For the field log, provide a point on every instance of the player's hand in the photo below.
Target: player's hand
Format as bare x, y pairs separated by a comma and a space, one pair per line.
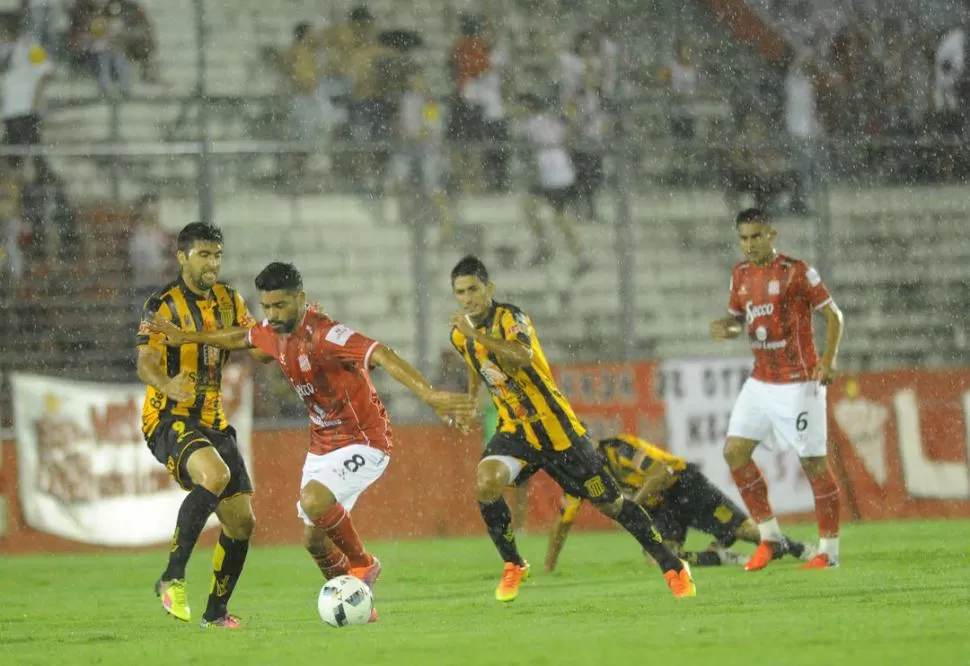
464, 425
464, 324
174, 336
180, 388
315, 306
725, 329
460, 407
824, 372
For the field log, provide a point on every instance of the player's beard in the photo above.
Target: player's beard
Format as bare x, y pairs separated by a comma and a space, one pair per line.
284, 327
204, 280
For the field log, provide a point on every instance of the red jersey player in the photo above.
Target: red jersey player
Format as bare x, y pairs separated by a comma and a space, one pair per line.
329, 365
773, 298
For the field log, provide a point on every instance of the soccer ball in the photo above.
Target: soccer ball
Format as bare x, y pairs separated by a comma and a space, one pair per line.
345, 601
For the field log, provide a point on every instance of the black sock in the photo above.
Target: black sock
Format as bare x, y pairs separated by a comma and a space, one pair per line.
196, 508
796, 548
498, 519
704, 558
635, 520
227, 565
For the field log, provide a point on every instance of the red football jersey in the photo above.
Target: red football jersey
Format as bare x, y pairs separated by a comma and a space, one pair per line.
326, 363
777, 301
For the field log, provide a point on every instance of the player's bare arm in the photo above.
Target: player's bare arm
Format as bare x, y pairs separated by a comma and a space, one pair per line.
834, 327
225, 338
152, 372
511, 354
726, 328
474, 386
656, 479
452, 408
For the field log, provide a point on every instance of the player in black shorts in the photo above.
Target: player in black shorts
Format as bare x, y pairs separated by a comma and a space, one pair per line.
185, 425
677, 496
537, 429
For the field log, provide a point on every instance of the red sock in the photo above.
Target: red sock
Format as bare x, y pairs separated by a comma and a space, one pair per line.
826, 493
333, 563
754, 491
340, 528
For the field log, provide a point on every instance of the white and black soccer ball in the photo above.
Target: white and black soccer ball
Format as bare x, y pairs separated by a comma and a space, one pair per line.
345, 601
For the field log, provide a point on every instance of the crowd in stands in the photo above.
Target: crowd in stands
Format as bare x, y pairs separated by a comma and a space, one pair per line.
371, 97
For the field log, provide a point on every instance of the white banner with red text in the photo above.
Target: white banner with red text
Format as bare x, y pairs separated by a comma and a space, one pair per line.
84, 470
698, 396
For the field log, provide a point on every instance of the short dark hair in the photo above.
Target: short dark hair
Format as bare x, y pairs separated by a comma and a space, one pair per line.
198, 231
360, 14
470, 265
279, 276
751, 215
301, 30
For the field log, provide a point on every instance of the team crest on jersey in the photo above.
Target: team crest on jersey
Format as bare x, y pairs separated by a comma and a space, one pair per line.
493, 374
743, 290
774, 287
225, 316
304, 363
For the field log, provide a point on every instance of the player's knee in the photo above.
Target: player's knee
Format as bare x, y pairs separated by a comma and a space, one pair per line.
490, 482
316, 500
214, 476
737, 452
815, 466
314, 540
610, 509
244, 526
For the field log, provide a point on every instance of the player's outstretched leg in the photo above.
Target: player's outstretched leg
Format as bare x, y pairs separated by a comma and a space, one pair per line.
754, 491
635, 520
323, 509
827, 507
491, 480
749, 532
228, 558
331, 560
209, 476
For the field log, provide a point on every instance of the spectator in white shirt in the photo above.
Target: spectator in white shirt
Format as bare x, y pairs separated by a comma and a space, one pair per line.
681, 76
419, 163
555, 179
804, 127
28, 73
582, 97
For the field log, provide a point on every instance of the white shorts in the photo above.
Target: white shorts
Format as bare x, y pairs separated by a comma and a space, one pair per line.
792, 415
346, 472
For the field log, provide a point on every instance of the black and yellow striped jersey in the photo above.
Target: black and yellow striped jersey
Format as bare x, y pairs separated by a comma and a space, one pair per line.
529, 403
223, 308
628, 460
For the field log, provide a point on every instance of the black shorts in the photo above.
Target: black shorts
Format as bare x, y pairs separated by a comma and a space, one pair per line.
578, 470
694, 502
175, 439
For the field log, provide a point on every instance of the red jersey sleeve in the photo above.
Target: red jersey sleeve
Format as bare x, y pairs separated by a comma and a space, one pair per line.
263, 338
812, 287
735, 306
345, 344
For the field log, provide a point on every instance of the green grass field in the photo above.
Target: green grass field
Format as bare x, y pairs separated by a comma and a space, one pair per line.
901, 596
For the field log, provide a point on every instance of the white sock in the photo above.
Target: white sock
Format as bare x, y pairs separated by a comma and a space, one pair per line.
771, 531
830, 547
